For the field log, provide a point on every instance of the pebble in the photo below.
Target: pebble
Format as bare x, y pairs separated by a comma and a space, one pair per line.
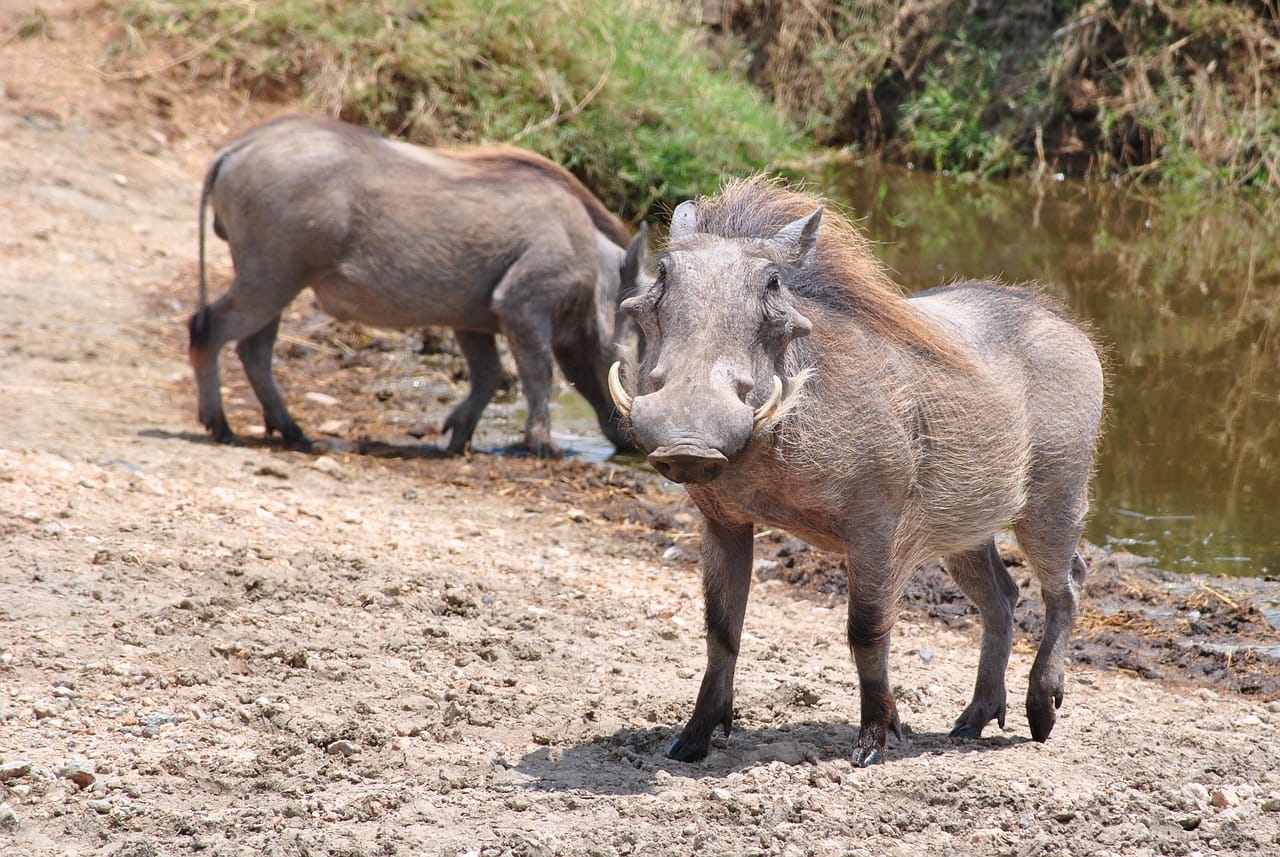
44, 708
8, 818
1224, 796
675, 553
722, 795
1271, 805
342, 748
79, 771
786, 752
102, 807
321, 399
686, 672
327, 465
578, 516
1197, 793
1274, 706
15, 769
66, 692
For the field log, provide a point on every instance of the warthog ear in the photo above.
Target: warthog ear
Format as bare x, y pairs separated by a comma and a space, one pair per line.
684, 220
799, 238
637, 251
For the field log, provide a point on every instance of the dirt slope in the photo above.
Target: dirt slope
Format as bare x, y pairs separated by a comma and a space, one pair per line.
250, 651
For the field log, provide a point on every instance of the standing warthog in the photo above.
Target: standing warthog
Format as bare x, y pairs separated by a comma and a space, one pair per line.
484, 241
905, 430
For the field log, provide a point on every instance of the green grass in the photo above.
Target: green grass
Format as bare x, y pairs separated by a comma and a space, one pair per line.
619, 92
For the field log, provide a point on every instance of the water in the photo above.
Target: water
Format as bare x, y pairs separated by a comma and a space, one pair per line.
1183, 291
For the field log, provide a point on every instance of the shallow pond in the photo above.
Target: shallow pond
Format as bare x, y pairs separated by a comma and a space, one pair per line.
1182, 291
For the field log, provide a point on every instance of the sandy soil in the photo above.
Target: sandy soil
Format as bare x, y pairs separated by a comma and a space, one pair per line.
378, 650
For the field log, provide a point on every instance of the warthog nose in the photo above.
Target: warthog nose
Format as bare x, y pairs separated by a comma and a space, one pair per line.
688, 463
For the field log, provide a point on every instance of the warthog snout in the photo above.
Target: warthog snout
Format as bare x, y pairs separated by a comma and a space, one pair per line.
688, 463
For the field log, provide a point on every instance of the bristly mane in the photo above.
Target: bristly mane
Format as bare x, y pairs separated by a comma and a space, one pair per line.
509, 157
846, 276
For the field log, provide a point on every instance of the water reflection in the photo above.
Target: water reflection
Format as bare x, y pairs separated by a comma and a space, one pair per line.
1184, 293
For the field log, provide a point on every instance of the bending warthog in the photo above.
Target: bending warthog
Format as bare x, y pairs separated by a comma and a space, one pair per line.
906, 429
485, 241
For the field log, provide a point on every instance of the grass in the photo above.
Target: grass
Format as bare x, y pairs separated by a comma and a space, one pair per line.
622, 93
1177, 92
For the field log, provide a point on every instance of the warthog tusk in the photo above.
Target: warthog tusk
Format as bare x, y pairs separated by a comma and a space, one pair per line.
767, 410
620, 396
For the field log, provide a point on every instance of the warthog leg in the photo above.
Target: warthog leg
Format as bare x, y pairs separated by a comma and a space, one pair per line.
726, 582
484, 370
255, 354
982, 576
1051, 552
872, 612
1046, 683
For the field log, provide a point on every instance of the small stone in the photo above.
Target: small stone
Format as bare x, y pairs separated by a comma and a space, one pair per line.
1224, 796
79, 771
15, 769
1251, 720
1197, 793
578, 516
333, 427
675, 553
321, 399
686, 672
1271, 805
327, 465
8, 818
1274, 706
722, 795
44, 708
65, 692
342, 748
786, 752
1189, 822
120, 179
102, 807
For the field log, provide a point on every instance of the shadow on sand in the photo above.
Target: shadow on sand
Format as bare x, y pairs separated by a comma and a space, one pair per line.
630, 760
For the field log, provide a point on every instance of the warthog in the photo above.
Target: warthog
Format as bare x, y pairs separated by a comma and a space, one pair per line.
786, 382
484, 241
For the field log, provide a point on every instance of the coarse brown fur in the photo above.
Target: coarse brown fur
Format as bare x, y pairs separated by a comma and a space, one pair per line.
913, 428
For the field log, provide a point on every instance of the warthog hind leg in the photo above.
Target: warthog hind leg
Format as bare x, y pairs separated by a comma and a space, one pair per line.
255, 354
484, 370
982, 576
1051, 553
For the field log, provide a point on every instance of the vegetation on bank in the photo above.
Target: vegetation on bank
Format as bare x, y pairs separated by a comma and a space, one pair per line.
1180, 91
649, 105
623, 93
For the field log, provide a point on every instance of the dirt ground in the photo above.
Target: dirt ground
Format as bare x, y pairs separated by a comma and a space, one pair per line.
380, 650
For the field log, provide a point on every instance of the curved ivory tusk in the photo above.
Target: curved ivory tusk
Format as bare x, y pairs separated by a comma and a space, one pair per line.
620, 396
767, 410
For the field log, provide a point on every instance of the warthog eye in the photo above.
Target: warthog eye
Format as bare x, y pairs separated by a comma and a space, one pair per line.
774, 283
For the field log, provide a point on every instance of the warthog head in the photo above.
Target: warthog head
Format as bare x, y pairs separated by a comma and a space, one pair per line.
716, 323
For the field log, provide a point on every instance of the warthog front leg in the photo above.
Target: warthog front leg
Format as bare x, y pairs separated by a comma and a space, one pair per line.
872, 611
726, 582
879, 711
983, 578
